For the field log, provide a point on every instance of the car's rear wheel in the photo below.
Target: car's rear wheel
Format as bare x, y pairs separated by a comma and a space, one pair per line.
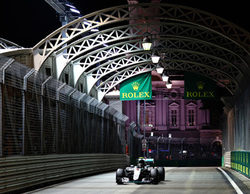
154, 175
161, 172
119, 176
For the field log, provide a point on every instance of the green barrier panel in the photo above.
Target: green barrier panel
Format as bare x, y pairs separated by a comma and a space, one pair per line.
240, 162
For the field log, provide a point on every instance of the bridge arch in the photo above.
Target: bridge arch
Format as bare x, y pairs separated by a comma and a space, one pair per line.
111, 39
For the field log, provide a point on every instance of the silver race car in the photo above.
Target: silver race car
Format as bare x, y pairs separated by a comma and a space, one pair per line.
143, 172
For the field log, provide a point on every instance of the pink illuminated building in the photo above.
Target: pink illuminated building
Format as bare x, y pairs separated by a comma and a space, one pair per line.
187, 121
169, 111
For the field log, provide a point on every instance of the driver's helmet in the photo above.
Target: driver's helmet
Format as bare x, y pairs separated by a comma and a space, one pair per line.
141, 163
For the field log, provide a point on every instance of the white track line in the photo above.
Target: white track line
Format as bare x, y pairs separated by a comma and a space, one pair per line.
237, 189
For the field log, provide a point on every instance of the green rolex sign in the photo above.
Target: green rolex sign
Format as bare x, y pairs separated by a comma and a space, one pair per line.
137, 88
198, 87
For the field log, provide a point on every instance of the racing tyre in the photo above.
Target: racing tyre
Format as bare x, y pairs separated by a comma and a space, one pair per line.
119, 175
161, 172
154, 175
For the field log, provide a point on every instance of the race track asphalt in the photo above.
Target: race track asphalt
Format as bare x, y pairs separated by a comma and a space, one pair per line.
178, 180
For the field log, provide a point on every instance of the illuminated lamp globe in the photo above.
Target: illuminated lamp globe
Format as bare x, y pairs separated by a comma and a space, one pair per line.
165, 78
155, 59
169, 85
159, 69
146, 44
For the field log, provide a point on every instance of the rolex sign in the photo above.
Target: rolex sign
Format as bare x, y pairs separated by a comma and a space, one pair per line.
137, 88
198, 87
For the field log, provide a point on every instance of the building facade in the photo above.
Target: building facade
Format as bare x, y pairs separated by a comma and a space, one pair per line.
168, 114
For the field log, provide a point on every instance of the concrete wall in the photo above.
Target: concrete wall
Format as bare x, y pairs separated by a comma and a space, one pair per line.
242, 121
236, 132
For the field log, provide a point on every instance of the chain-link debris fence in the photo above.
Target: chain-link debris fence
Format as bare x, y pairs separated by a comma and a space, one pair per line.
41, 115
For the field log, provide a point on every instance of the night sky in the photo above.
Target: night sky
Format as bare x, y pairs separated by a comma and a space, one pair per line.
26, 22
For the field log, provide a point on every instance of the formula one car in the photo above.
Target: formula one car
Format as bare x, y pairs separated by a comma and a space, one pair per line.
143, 172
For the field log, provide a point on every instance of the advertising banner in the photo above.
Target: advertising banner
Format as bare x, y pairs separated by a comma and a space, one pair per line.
198, 87
137, 88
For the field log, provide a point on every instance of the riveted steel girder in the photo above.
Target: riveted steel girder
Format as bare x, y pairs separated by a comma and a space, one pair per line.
180, 65
199, 41
106, 57
6, 44
177, 30
122, 13
75, 51
108, 68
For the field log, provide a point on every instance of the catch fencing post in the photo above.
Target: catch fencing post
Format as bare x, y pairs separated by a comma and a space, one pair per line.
57, 116
102, 128
2, 71
1, 121
25, 78
42, 94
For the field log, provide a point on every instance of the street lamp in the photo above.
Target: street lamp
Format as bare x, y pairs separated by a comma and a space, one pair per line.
169, 139
146, 43
165, 78
169, 85
155, 58
159, 69
157, 148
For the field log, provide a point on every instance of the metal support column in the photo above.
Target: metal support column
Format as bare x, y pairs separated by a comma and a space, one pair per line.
78, 135
4, 67
41, 113
102, 129
182, 140
144, 123
1, 121
2, 70
57, 116
80, 118
169, 143
157, 148
138, 116
24, 108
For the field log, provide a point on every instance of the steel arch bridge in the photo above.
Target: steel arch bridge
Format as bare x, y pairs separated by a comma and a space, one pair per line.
6, 44
100, 50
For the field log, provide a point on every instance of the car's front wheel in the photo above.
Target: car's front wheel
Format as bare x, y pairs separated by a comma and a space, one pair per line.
119, 176
161, 172
154, 175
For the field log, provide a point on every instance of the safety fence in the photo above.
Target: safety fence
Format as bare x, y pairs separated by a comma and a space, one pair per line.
226, 159
41, 115
240, 161
23, 173
134, 143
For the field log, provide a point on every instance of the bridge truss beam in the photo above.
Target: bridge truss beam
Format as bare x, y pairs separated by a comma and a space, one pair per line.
96, 62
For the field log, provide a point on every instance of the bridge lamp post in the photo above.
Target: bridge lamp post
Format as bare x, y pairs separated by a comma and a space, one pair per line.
155, 58
169, 85
169, 139
147, 43
159, 69
165, 78
157, 148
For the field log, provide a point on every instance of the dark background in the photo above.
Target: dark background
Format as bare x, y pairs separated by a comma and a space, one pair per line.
26, 22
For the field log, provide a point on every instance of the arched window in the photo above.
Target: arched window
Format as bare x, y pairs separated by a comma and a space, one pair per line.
191, 115
173, 118
174, 115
